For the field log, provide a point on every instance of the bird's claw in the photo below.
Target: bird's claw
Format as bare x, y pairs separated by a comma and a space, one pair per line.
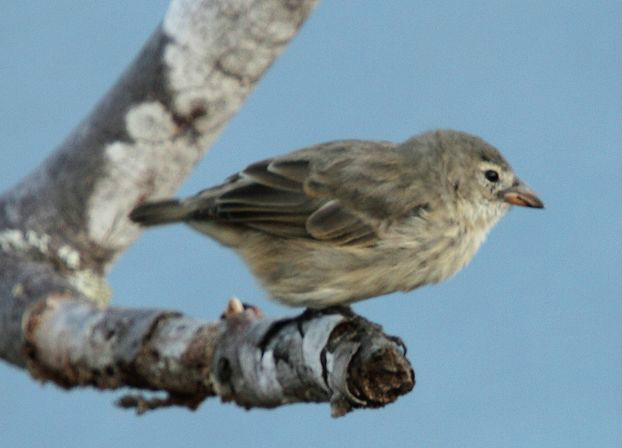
399, 342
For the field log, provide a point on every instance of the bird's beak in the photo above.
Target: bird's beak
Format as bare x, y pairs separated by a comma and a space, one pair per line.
521, 194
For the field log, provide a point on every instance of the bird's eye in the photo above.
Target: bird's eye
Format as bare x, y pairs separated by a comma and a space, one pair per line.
492, 175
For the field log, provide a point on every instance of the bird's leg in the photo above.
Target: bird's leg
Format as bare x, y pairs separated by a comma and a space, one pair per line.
344, 310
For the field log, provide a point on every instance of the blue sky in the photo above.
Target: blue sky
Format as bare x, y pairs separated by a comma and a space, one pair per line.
522, 348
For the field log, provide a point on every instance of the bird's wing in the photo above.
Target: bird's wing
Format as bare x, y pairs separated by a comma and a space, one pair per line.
289, 196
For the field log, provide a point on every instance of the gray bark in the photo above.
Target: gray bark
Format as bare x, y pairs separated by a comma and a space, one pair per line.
63, 226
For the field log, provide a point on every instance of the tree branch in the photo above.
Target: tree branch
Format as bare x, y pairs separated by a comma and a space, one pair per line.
63, 226
244, 357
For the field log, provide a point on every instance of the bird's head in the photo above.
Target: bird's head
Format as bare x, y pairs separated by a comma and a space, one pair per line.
476, 177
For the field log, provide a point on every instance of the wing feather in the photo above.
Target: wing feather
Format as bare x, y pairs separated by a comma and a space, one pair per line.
333, 222
291, 197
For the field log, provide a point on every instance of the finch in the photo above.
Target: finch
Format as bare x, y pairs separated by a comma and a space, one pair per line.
348, 220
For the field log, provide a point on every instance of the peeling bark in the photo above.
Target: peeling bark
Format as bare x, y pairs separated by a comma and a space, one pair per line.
63, 226
331, 356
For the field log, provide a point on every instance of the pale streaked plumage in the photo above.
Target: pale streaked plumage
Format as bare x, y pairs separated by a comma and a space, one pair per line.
348, 220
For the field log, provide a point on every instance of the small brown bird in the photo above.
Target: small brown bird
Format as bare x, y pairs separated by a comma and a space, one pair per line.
348, 220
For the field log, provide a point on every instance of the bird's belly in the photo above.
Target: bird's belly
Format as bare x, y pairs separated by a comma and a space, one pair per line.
317, 275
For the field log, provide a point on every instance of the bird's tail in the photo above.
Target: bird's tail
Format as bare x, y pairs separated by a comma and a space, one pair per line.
160, 212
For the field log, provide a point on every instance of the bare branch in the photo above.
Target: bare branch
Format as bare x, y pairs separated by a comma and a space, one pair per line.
255, 361
147, 133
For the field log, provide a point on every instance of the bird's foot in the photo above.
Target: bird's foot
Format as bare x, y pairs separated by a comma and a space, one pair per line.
235, 307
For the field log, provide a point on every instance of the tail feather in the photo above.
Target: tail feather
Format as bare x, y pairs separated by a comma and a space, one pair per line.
160, 212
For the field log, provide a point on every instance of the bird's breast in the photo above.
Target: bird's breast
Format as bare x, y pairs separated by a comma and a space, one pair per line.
433, 249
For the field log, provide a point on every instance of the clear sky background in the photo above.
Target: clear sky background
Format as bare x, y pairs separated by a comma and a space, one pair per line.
521, 349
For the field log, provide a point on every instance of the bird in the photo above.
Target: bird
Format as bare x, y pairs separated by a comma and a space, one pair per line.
348, 220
